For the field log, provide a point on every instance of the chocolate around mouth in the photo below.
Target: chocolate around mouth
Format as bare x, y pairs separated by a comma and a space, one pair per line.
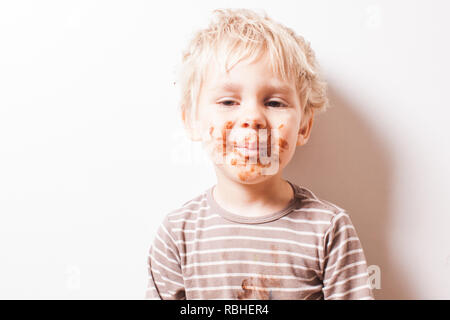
260, 152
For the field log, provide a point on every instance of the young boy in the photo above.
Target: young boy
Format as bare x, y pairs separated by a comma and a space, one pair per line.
250, 87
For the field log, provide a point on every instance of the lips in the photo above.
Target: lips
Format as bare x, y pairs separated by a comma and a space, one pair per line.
250, 142
251, 147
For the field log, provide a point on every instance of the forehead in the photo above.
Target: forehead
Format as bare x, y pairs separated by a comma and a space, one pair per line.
256, 71
269, 86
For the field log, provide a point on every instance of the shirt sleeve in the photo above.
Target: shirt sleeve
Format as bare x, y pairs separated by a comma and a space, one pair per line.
165, 280
345, 275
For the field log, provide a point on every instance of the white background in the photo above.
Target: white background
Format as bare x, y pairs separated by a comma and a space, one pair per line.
93, 155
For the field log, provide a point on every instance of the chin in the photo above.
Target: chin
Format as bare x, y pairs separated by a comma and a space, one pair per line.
248, 173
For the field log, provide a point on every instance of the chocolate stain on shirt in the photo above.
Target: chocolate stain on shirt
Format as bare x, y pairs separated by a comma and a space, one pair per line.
260, 286
180, 294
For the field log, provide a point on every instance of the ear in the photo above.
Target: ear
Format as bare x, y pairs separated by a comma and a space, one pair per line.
192, 131
305, 127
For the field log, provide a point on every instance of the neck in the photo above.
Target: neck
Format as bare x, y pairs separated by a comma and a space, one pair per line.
253, 199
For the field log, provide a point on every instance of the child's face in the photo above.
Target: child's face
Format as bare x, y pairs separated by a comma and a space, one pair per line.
249, 120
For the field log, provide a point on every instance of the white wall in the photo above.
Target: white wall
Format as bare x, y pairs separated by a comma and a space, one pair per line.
90, 138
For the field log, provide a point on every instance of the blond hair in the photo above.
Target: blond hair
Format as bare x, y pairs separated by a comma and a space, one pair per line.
237, 34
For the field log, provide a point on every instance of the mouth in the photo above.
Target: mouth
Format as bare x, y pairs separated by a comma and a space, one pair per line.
252, 145
246, 149
250, 150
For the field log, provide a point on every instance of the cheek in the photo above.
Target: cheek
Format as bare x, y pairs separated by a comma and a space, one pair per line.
283, 145
288, 144
283, 138
216, 139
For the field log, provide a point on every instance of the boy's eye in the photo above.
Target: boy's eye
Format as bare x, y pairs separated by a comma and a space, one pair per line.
272, 103
276, 104
227, 103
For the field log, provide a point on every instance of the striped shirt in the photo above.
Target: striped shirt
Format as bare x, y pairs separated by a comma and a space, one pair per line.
309, 250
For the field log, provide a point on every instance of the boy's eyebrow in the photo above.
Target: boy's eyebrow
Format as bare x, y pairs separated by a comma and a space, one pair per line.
279, 88
229, 86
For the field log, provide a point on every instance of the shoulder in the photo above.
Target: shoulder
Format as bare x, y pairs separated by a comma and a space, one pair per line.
183, 220
334, 217
188, 211
309, 200
312, 208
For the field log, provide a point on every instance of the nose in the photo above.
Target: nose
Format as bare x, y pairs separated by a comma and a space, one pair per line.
251, 117
250, 120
